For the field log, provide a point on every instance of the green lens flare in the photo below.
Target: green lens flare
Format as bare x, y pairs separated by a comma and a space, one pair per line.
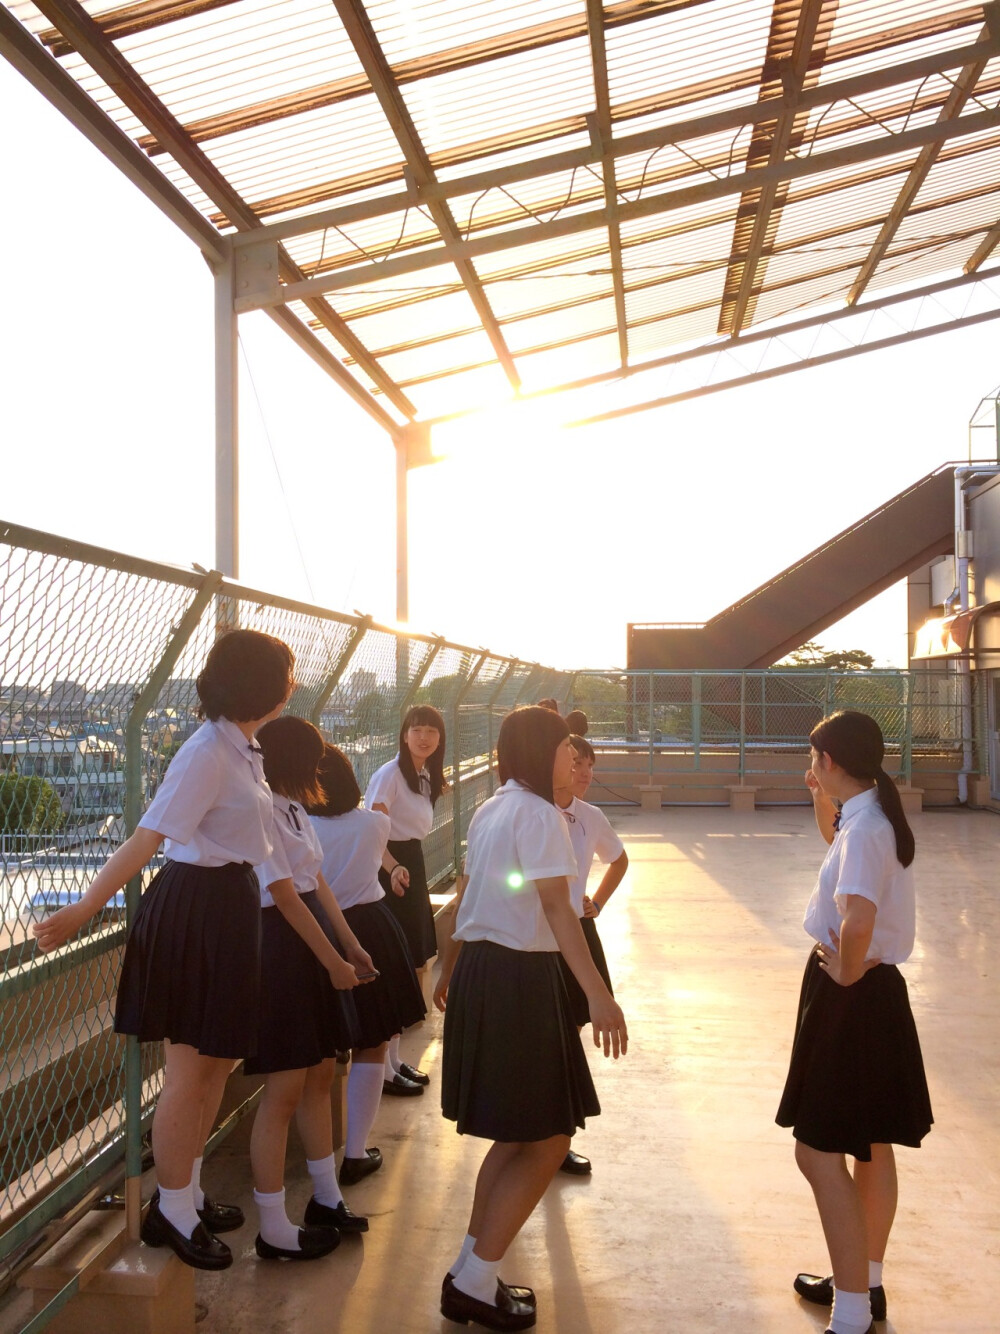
515, 880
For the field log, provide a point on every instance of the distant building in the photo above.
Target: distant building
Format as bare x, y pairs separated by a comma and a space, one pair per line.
86, 771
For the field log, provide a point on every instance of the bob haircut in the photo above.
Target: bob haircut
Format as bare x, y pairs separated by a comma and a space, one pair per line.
576, 721
247, 674
854, 741
338, 784
292, 750
582, 746
526, 748
549, 704
423, 715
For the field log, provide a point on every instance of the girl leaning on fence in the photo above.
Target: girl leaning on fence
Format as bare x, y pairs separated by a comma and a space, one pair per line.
191, 973
856, 1083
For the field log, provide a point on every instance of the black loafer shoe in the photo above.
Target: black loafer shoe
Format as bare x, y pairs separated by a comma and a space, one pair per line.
313, 1243
401, 1087
506, 1314
353, 1170
820, 1292
526, 1295
340, 1217
413, 1075
216, 1217
575, 1164
201, 1250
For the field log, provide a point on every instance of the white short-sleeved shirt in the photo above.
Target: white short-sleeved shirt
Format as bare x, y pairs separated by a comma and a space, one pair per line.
515, 838
214, 805
862, 860
353, 844
411, 813
296, 856
591, 835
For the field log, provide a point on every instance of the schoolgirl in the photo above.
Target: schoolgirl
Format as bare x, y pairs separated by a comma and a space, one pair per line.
856, 1082
407, 790
191, 973
591, 835
353, 843
506, 1011
310, 962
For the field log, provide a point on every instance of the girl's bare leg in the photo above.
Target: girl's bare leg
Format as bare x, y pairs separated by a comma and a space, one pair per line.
877, 1188
314, 1115
841, 1214
192, 1088
213, 1100
269, 1138
516, 1181
498, 1159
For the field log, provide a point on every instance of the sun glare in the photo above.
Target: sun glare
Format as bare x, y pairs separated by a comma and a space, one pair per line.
497, 425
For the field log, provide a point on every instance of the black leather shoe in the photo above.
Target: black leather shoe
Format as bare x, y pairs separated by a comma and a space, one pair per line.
526, 1295
353, 1170
820, 1292
401, 1087
313, 1243
506, 1314
216, 1217
575, 1164
340, 1217
414, 1075
201, 1250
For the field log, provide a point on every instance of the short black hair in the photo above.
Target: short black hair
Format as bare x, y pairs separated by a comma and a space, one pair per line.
246, 676
338, 784
526, 748
549, 704
582, 747
292, 750
576, 721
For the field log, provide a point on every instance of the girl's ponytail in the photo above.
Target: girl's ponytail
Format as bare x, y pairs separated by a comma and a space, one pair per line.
854, 741
889, 800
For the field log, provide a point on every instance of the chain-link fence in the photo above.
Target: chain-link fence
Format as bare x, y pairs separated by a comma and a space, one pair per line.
98, 658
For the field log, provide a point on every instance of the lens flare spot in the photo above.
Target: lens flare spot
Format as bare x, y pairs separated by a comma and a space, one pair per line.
515, 880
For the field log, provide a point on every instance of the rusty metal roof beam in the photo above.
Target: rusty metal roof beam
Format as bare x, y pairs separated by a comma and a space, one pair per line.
359, 29
962, 90
797, 32
601, 135
107, 62
983, 250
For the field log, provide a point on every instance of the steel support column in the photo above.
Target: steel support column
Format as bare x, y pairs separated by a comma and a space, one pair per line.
227, 488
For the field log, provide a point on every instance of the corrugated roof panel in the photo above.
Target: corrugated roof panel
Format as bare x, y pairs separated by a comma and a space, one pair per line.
469, 391
491, 155
439, 359
671, 334
701, 291
569, 363
559, 326
543, 198
944, 258
965, 173
422, 321
376, 291
898, 26
554, 250
406, 30
516, 296
823, 290
846, 250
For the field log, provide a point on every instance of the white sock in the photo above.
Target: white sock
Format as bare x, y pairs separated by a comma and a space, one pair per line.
274, 1225
874, 1273
323, 1172
177, 1207
463, 1255
852, 1312
392, 1057
364, 1089
199, 1194
479, 1278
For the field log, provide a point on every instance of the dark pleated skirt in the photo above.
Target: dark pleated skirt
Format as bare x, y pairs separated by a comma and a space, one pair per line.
578, 1005
514, 1066
412, 910
394, 1000
856, 1076
191, 971
303, 1018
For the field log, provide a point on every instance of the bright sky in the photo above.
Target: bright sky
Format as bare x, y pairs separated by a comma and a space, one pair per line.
540, 542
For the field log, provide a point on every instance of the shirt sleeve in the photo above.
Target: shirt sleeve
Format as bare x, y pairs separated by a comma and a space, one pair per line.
189, 790
863, 864
609, 846
543, 846
382, 787
277, 866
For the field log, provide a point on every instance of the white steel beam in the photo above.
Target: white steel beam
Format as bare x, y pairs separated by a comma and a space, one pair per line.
603, 137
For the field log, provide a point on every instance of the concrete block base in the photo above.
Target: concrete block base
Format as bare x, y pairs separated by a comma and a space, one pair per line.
126, 1288
650, 796
742, 798
912, 799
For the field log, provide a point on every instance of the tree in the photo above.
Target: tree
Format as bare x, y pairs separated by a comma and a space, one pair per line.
28, 806
814, 657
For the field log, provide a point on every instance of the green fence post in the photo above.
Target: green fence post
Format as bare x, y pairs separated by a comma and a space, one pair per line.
651, 724
333, 680
407, 700
743, 727
141, 705
906, 758
456, 761
696, 719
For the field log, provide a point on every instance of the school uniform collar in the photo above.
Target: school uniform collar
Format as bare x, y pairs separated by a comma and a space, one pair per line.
854, 805
292, 811
231, 731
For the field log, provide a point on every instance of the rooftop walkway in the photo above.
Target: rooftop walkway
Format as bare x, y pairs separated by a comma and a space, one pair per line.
696, 1217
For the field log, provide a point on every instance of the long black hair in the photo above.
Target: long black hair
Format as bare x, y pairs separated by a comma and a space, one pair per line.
423, 715
854, 741
526, 748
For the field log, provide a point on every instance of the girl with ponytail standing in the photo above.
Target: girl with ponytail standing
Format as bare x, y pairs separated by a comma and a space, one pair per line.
856, 1082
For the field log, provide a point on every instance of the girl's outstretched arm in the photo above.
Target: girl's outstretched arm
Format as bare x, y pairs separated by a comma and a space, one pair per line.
451, 948
117, 871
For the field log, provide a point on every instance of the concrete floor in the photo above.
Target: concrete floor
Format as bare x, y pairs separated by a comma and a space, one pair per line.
695, 1217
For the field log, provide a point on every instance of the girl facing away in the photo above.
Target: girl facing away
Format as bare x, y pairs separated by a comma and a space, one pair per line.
353, 842
310, 962
506, 1011
856, 1082
407, 790
191, 972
